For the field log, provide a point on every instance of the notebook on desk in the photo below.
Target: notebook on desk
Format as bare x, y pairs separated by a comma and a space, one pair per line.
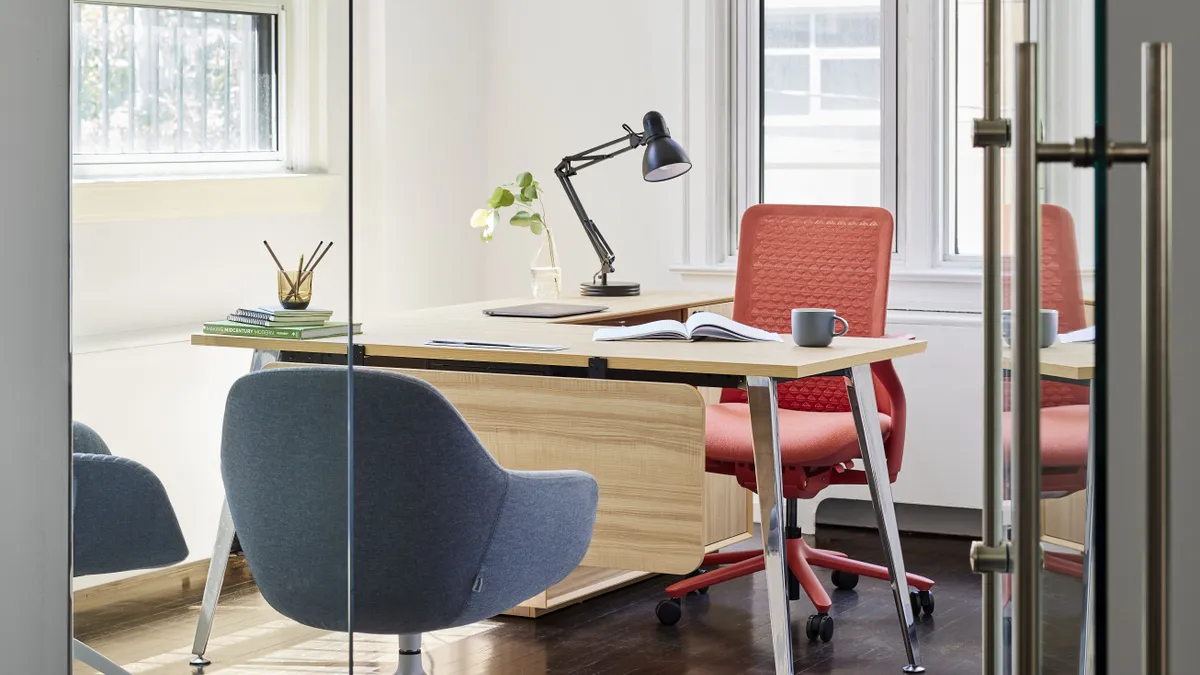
544, 310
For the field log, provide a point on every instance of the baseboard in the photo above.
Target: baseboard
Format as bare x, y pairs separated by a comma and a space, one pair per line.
919, 518
101, 609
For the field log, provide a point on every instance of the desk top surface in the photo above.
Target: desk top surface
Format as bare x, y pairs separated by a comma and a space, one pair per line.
1074, 361
406, 337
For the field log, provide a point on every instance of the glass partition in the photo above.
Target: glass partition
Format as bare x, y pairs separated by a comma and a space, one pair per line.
210, 452
1045, 208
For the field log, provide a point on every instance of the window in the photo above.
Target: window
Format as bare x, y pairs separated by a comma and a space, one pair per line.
964, 238
172, 83
823, 103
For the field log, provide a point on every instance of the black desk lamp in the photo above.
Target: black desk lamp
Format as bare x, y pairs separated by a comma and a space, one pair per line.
664, 159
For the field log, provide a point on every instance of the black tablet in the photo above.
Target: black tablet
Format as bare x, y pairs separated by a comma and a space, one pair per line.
544, 310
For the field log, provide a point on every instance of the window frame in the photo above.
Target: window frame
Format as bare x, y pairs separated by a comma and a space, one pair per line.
923, 278
746, 25
291, 99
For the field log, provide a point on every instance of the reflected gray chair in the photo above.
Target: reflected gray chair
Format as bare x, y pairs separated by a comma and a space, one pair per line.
443, 535
123, 521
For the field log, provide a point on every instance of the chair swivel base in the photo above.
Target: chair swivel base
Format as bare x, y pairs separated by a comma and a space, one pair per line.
800, 558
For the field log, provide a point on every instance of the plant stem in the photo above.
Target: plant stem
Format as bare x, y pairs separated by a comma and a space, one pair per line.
549, 236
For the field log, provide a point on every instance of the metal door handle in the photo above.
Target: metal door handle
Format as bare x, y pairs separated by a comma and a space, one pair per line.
1155, 153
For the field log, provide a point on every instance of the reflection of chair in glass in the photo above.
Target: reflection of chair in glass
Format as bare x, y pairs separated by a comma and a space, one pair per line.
807, 256
123, 521
443, 536
1065, 416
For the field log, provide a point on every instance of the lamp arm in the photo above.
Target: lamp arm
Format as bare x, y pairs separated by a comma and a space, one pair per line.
568, 168
603, 251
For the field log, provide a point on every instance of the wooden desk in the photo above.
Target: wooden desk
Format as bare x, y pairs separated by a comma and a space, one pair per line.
653, 517
1074, 363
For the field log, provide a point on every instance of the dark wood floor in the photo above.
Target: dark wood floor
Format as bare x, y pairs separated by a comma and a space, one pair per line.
727, 630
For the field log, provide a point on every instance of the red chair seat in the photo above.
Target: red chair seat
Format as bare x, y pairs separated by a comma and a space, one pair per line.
811, 439
1064, 435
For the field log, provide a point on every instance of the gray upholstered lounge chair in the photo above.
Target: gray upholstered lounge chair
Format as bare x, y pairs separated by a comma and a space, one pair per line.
123, 521
443, 536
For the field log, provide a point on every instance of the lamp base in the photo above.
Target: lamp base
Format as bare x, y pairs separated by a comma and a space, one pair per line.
611, 289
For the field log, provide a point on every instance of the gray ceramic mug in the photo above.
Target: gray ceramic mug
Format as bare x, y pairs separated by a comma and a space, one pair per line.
1047, 327
813, 327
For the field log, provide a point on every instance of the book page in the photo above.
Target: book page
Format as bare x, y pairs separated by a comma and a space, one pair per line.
715, 326
655, 330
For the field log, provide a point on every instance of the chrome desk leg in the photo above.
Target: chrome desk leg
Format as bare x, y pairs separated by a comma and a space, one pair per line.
1087, 629
861, 388
97, 660
221, 549
768, 473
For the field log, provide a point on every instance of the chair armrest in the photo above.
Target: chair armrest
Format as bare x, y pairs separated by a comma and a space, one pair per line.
123, 519
541, 534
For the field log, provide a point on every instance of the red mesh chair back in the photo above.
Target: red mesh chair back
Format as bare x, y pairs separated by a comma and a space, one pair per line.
1062, 290
837, 257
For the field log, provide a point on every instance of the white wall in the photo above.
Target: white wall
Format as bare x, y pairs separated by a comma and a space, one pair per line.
562, 78
420, 144
598, 65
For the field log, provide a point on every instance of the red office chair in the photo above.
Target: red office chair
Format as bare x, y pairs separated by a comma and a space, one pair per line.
807, 256
1065, 416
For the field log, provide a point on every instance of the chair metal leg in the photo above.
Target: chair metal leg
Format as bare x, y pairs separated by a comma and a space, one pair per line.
410, 655
221, 549
97, 660
861, 388
768, 473
212, 586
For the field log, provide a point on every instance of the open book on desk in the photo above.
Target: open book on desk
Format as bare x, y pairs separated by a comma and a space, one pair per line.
701, 326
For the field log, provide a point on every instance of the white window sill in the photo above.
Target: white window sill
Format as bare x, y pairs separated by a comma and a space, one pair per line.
704, 270
107, 200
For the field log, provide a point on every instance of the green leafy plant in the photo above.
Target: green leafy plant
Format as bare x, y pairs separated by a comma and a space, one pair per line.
522, 195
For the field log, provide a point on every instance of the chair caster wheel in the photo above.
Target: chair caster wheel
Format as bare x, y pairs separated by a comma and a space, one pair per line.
921, 601
845, 581
819, 626
669, 612
702, 591
695, 573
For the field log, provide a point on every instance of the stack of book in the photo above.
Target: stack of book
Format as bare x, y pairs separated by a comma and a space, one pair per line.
276, 322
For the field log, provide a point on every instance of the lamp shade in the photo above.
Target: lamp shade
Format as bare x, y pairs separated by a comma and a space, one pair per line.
665, 158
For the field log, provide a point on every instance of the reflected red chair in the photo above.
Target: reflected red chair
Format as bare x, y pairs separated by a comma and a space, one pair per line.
1065, 420
807, 256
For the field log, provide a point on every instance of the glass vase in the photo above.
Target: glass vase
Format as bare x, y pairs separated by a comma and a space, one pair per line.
545, 274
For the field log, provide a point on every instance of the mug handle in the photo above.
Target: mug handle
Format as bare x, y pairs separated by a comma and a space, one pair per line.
844, 323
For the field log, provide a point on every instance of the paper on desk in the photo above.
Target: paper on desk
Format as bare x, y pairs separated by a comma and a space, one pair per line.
478, 344
1082, 335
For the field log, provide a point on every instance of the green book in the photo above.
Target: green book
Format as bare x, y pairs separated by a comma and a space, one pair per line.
327, 330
